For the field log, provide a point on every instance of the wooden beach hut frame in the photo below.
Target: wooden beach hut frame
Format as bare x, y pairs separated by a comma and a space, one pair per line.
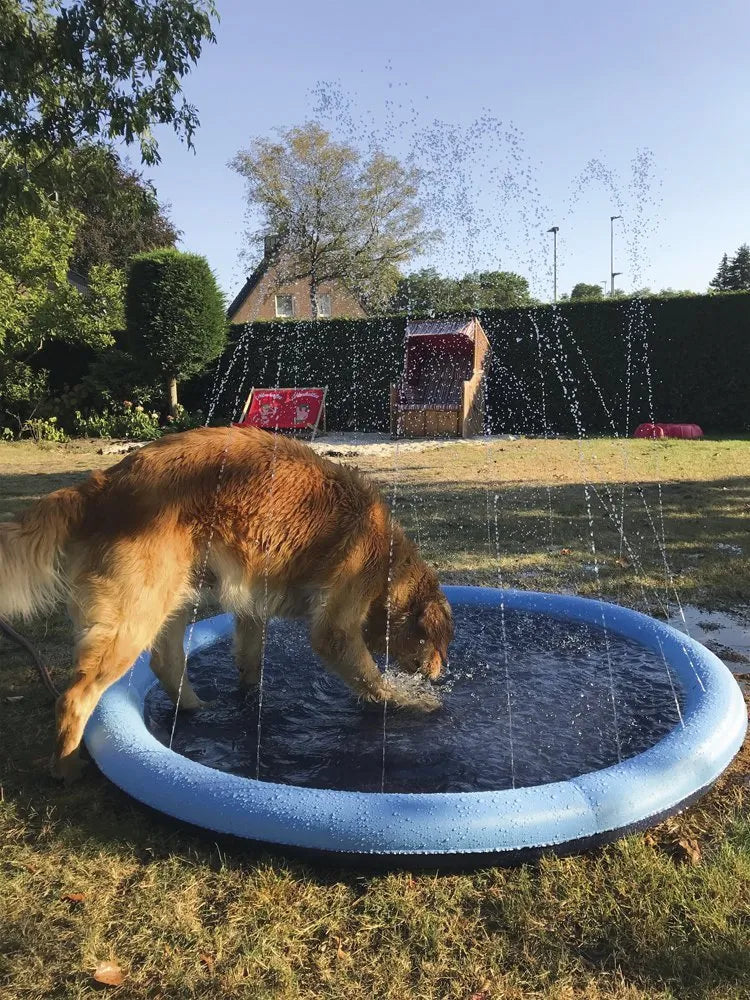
441, 393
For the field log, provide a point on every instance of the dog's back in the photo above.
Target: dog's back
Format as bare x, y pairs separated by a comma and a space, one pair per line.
268, 498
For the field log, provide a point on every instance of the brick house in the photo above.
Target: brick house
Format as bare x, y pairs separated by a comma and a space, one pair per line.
266, 296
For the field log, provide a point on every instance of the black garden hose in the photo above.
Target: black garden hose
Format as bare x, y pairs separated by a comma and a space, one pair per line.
25, 644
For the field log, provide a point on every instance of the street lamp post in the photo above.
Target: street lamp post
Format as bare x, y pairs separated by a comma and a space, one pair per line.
554, 230
612, 273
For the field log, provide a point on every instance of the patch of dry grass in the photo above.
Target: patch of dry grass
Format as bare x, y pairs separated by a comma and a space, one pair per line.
547, 515
87, 875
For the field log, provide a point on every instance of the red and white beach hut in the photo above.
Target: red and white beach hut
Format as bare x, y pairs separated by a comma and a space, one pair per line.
441, 393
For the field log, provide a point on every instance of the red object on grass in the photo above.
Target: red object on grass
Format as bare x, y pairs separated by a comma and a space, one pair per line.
689, 431
283, 409
648, 431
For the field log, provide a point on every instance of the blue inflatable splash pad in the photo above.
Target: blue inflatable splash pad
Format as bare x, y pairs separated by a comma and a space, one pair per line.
634, 720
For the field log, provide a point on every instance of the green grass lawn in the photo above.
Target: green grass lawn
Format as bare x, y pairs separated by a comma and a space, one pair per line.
87, 875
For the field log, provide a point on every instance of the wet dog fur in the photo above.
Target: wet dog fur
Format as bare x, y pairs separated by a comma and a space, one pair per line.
281, 531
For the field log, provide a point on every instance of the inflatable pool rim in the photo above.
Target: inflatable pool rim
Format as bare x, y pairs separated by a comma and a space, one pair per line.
509, 825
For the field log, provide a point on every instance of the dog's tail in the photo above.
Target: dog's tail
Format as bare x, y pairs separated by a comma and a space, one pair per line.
31, 551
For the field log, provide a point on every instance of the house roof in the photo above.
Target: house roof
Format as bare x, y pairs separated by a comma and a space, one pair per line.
252, 280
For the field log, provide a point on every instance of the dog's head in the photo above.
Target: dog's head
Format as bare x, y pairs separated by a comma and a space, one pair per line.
420, 641
418, 635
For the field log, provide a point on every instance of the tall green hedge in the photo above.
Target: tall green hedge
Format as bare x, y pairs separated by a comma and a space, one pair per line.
593, 367
357, 359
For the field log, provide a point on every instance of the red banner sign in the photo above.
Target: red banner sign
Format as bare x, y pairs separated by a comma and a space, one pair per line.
284, 409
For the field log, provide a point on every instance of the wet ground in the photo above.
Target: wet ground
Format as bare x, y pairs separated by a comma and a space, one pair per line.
727, 635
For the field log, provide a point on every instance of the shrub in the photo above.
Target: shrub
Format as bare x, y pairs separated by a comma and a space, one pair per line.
125, 421
43, 429
175, 317
183, 421
40, 308
117, 375
133, 421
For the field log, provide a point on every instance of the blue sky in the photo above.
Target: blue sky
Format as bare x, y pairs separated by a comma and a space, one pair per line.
526, 115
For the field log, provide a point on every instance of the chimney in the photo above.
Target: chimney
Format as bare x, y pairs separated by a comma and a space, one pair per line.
270, 245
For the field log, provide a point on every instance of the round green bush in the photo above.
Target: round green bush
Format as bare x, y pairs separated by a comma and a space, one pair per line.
175, 316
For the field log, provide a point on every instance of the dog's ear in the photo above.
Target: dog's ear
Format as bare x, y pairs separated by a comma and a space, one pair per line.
435, 623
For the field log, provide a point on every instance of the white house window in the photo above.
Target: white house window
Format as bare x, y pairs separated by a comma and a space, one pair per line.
285, 306
324, 304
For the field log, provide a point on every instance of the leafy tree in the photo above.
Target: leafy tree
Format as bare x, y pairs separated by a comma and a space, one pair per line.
619, 294
121, 212
665, 293
676, 293
721, 281
584, 291
88, 69
337, 216
175, 317
38, 305
492, 290
427, 291
424, 291
739, 270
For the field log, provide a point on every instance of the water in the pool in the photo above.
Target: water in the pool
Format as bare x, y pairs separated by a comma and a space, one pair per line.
315, 733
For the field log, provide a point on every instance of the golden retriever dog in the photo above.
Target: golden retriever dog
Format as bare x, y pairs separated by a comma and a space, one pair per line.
281, 531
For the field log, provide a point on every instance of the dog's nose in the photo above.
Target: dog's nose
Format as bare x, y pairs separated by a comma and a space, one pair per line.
435, 666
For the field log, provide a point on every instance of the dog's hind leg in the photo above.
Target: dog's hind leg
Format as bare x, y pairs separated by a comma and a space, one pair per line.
103, 654
118, 615
168, 662
249, 639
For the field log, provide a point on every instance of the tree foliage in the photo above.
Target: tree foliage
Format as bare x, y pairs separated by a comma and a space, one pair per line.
338, 216
121, 212
739, 270
585, 291
721, 280
89, 69
428, 291
733, 274
665, 293
174, 315
38, 305
620, 293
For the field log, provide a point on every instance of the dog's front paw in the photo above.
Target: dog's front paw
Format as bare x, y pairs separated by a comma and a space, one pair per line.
190, 702
68, 769
415, 698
